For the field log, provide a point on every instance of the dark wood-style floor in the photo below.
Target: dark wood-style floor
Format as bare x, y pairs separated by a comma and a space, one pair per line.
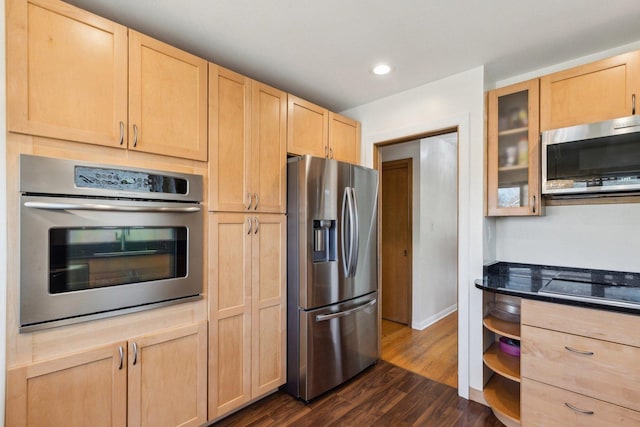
383, 395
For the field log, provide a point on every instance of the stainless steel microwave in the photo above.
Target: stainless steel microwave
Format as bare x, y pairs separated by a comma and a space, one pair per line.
592, 159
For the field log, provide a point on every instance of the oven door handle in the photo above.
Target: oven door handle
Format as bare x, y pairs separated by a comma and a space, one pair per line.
109, 208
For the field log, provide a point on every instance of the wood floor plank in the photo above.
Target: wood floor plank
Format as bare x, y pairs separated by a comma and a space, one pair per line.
383, 395
432, 352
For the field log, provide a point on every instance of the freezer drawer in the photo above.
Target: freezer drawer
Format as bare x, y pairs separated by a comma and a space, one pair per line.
336, 343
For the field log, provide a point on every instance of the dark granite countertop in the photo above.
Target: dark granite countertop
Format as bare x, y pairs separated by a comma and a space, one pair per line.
601, 289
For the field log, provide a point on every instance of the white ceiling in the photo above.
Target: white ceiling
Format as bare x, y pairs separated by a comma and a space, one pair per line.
322, 50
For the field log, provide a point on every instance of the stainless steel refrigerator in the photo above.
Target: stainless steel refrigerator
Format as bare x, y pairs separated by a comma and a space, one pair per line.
332, 273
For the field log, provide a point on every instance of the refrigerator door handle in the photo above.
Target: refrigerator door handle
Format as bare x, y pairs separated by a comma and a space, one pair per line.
355, 228
346, 260
323, 317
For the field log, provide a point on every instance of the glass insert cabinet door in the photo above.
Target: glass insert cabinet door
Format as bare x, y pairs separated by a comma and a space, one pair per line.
513, 150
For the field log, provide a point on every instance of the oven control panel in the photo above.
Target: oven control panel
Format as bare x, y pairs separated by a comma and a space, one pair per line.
127, 180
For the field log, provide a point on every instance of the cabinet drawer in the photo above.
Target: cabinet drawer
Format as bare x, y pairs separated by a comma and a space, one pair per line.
600, 324
600, 369
545, 405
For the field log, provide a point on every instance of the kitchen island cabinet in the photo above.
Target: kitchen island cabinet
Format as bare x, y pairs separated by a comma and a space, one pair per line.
601, 90
75, 76
247, 134
513, 151
156, 379
247, 282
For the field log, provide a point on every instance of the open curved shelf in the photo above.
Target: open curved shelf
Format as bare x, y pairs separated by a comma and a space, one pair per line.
503, 396
501, 363
502, 327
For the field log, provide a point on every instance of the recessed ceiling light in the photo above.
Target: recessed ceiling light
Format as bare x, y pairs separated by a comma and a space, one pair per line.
381, 69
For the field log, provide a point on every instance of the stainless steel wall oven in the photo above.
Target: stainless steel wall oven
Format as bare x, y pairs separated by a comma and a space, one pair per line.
102, 240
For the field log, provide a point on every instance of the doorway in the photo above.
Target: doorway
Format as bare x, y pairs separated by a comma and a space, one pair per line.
397, 202
428, 342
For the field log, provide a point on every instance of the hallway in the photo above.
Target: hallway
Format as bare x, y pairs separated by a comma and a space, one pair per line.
432, 352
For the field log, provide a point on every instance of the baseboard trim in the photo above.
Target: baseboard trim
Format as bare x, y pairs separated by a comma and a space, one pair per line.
477, 396
433, 319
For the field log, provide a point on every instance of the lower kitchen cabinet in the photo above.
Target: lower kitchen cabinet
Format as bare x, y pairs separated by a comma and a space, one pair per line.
579, 366
157, 379
247, 286
167, 378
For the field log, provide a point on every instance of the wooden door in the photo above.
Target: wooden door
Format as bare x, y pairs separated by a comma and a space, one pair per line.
307, 128
167, 378
66, 73
269, 148
396, 239
229, 311
167, 99
601, 90
268, 296
344, 138
229, 136
83, 389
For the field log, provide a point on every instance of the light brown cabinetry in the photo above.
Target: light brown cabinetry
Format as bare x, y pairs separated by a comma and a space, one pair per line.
247, 133
344, 138
513, 151
247, 282
502, 391
316, 131
66, 73
167, 378
76, 76
167, 99
88, 388
157, 379
600, 90
580, 365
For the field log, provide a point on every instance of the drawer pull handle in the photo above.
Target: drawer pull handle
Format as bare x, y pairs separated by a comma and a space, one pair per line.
582, 411
573, 350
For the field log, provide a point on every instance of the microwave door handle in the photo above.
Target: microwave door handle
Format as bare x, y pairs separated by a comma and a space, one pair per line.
109, 208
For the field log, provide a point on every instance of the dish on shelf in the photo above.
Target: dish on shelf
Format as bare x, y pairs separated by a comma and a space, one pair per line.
504, 310
510, 346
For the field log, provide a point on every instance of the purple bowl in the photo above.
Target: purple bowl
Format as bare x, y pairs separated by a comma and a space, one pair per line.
509, 346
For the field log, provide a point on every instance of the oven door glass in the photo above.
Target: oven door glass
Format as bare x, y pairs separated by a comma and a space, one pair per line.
94, 257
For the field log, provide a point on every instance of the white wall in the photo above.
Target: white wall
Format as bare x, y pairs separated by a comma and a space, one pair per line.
605, 237
438, 254
454, 101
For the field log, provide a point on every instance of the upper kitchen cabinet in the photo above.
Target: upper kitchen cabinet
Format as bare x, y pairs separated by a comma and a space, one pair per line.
344, 138
601, 90
247, 134
513, 151
316, 131
66, 73
75, 76
167, 99
307, 128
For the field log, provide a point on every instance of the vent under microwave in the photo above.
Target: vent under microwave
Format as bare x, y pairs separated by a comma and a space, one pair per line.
593, 159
